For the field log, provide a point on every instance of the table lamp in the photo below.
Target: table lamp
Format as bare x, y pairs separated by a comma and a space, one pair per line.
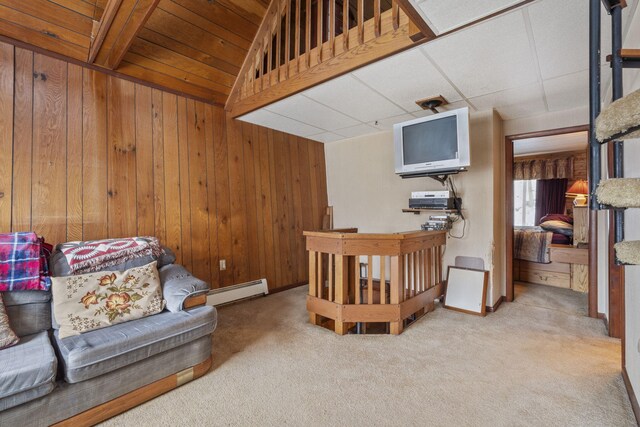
579, 190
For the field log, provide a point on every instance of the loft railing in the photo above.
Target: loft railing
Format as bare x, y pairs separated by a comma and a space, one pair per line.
301, 43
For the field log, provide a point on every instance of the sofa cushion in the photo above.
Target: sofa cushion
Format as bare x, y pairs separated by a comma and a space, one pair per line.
7, 336
29, 311
104, 350
178, 284
91, 301
28, 370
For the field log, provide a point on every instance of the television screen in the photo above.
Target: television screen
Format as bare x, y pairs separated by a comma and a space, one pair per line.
430, 141
432, 144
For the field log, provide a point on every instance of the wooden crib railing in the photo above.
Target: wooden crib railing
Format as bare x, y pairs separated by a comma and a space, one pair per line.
346, 291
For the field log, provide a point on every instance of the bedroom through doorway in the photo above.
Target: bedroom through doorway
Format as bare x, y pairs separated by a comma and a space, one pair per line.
548, 225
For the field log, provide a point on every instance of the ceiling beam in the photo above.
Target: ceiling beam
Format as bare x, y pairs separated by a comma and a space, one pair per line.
419, 29
118, 27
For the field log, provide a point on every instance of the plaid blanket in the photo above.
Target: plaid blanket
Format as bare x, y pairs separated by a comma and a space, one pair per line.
95, 255
23, 262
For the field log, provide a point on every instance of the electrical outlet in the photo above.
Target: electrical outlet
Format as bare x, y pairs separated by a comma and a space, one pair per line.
223, 264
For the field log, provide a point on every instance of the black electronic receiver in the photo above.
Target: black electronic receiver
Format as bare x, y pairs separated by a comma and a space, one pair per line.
436, 203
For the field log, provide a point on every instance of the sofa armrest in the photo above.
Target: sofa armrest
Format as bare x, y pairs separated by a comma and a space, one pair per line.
181, 289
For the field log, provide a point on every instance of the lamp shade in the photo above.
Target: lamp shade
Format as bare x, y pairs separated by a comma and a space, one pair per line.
578, 187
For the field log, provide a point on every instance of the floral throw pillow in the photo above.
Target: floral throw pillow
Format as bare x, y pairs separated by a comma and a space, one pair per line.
7, 336
91, 301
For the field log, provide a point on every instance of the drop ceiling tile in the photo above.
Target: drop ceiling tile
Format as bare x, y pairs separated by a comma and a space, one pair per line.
450, 14
514, 103
405, 78
353, 98
326, 137
568, 91
387, 124
486, 58
305, 110
561, 35
274, 121
359, 130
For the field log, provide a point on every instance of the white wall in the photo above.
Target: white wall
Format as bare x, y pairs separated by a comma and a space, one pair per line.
366, 193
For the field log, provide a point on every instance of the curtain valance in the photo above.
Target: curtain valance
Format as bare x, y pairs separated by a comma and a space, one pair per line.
543, 169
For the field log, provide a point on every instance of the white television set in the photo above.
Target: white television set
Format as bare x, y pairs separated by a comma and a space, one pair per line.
433, 145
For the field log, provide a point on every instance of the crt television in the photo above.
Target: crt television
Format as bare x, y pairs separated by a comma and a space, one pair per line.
435, 144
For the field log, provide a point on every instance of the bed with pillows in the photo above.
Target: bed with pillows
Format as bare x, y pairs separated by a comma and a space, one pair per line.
531, 251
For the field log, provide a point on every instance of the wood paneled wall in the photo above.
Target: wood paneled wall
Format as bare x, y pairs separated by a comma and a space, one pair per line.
84, 155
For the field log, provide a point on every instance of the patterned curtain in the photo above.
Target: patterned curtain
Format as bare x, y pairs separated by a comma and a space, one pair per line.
543, 169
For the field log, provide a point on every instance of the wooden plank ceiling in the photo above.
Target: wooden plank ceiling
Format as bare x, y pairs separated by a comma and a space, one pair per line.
193, 47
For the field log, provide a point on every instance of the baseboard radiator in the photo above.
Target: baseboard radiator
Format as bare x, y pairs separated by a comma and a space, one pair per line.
238, 292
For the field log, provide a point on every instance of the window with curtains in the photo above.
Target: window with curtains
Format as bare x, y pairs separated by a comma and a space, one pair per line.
524, 202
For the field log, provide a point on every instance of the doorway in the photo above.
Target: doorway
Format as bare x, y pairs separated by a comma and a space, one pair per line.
542, 252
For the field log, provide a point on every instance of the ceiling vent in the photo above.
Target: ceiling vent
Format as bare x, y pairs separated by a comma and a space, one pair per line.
432, 103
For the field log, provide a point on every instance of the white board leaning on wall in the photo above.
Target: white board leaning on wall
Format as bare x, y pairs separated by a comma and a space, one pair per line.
466, 290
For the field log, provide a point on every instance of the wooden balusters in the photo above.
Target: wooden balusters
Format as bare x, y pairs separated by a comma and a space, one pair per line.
330, 274
376, 16
313, 268
342, 288
319, 31
268, 53
278, 42
287, 38
370, 280
345, 25
429, 268
332, 27
383, 281
360, 14
416, 282
357, 281
320, 278
395, 14
307, 34
395, 291
297, 35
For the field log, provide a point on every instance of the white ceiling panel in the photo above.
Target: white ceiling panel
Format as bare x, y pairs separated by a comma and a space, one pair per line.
487, 58
450, 14
303, 109
387, 124
568, 91
326, 137
551, 144
514, 103
358, 130
406, 78
275, 121
561, 34
351, 97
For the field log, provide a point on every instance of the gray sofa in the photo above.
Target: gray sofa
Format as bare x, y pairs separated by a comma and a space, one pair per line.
45, 380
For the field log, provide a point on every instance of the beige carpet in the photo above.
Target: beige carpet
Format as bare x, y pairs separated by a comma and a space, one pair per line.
560, 299
523, 365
